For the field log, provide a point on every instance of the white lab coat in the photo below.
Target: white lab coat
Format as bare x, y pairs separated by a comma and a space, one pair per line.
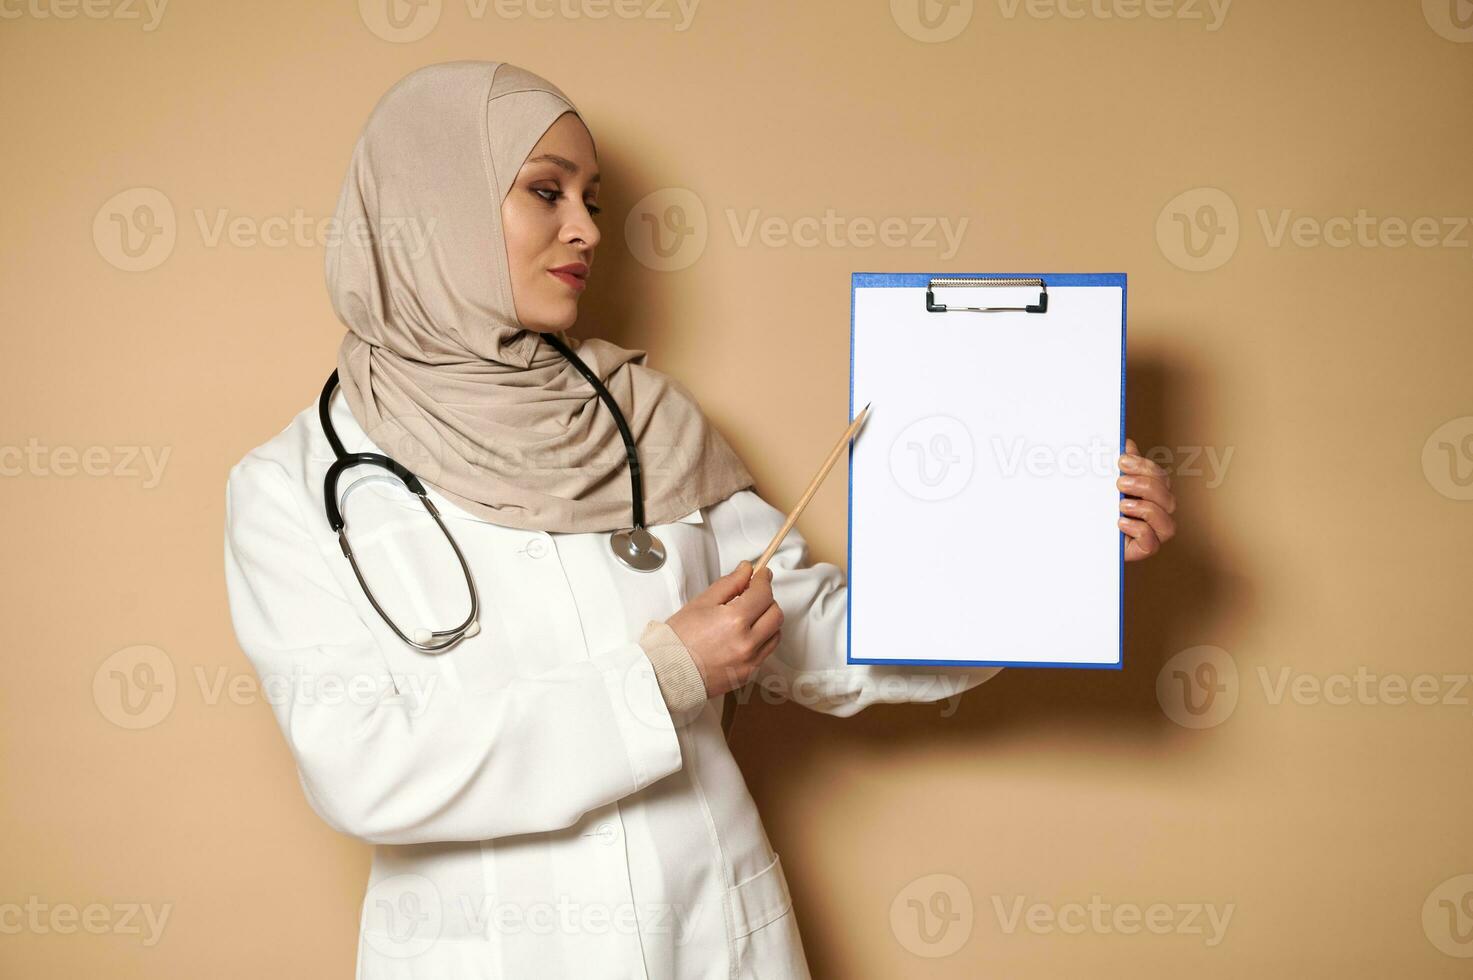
537, 811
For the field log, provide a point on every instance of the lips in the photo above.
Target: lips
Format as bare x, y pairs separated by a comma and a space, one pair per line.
574, 275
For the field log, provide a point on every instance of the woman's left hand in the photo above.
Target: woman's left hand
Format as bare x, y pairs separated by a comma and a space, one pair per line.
1147, 505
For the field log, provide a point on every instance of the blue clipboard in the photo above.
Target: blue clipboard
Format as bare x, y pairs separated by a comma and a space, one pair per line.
988, 372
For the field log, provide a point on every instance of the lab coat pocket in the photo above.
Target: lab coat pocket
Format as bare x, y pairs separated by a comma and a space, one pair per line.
758, 900
765, 940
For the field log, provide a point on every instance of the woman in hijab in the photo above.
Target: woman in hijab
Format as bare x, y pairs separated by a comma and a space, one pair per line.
552, 794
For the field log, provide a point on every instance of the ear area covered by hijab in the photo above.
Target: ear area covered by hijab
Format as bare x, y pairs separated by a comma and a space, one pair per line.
436, 366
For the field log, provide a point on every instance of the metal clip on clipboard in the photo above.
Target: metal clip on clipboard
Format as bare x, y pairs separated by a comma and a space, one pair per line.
945, 282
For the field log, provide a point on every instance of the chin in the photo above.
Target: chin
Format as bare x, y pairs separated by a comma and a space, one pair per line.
547, 314
555, 317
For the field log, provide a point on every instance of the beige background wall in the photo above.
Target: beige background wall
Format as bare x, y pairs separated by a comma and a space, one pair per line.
1310, 390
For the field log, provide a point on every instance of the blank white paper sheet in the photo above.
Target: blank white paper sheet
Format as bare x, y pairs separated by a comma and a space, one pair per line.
982, 496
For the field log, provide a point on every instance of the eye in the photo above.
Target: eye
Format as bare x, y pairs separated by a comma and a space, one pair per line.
593, 209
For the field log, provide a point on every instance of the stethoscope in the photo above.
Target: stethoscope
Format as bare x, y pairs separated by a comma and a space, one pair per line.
636, 547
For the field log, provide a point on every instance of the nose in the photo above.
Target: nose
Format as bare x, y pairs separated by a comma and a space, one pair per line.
581, 228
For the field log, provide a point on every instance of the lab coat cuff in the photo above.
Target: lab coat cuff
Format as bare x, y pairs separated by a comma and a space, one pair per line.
676, 671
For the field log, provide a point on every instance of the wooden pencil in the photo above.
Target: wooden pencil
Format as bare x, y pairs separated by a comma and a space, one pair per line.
813, 486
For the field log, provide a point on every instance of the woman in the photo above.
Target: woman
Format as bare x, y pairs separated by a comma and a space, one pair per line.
551, 796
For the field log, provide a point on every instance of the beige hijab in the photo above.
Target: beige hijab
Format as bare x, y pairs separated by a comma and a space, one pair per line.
435, 365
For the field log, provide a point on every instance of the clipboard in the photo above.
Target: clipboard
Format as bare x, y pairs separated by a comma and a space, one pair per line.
982, 500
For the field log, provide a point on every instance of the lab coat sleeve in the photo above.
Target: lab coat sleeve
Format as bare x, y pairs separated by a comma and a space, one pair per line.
452, 765
809, 665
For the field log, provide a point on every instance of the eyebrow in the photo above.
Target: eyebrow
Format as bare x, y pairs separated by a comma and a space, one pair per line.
563, 162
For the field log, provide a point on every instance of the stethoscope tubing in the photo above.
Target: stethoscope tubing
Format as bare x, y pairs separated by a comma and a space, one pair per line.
636, 547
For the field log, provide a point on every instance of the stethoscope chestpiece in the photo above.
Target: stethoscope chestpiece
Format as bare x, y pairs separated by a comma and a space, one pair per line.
638, 548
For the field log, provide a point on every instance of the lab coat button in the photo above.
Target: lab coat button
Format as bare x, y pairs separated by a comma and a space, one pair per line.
536, 548
605, 832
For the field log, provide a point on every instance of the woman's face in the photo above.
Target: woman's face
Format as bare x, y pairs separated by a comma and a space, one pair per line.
548, 221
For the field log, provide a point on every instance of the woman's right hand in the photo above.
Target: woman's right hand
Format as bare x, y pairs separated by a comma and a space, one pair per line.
730, 628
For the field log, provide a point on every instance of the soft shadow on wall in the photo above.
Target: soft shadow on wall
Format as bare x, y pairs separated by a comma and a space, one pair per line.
1173, 600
